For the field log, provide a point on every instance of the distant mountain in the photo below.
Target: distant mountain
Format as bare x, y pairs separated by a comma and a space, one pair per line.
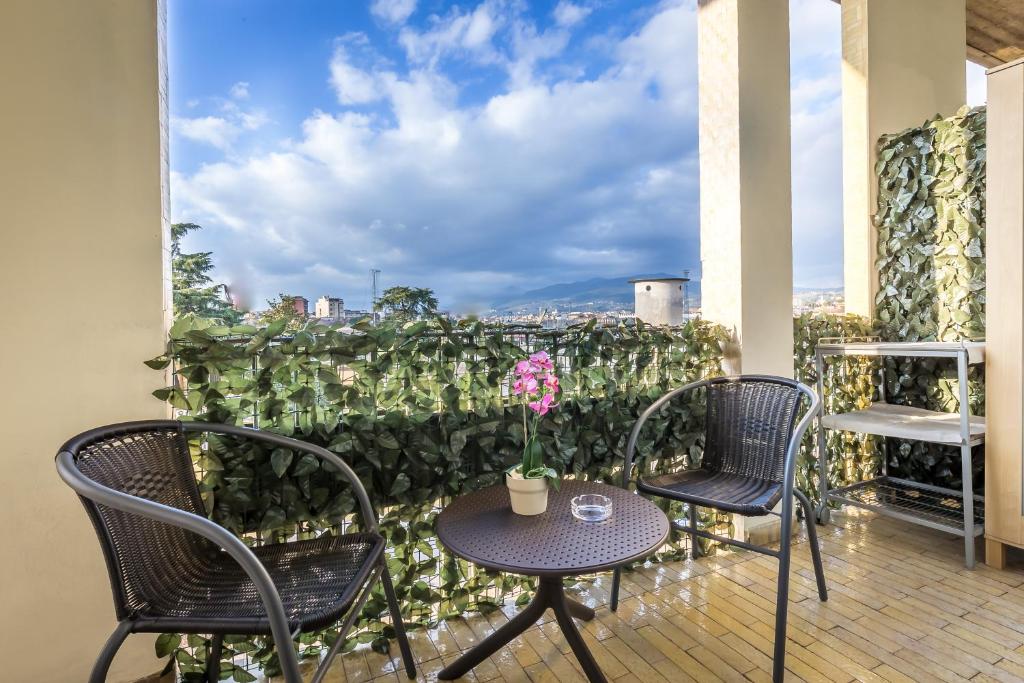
596, 293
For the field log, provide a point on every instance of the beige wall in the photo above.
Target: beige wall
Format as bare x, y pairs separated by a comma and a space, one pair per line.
745, 191
903, 63
1004, 369
82, 267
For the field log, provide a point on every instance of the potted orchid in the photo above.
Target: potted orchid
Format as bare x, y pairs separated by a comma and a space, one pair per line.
536, 385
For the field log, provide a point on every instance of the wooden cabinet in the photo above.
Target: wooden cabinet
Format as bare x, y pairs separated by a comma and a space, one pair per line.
1004, 382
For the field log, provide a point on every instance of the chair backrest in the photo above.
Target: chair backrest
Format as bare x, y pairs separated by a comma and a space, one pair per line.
749, 424
147, 460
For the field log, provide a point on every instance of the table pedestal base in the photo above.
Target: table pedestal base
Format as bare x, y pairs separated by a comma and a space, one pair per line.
549, 594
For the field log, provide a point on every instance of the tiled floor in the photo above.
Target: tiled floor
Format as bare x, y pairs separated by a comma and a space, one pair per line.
901, 608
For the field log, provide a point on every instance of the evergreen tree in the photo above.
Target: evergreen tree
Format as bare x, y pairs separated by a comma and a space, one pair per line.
193, 289
407, 303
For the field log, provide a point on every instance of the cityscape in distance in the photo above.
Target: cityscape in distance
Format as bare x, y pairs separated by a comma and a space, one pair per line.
609, 300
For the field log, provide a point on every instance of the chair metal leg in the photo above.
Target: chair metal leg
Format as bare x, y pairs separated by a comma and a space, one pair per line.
396, 619
353, 614
616, 580
812, 539
213, 661
782, 596
113, 644
694, 543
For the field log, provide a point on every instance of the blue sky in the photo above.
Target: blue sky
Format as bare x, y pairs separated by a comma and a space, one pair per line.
473, 147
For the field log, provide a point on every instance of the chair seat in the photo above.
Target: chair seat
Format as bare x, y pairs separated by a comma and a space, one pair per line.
317, 580
728, 492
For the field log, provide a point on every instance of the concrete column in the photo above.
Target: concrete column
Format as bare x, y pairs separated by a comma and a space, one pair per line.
903, 63
745, 190
83, 267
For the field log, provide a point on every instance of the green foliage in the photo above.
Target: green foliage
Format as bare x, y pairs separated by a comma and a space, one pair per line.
192, 288
422, 413
283, 308
931, 263
931, 230
849, 385
407, 303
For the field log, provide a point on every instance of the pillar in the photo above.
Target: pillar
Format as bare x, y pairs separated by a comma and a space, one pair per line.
745, 189
903, 63
83, 267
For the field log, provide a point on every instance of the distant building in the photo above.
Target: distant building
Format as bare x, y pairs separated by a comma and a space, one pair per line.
356, 313
330, 307
301, 305
660, 301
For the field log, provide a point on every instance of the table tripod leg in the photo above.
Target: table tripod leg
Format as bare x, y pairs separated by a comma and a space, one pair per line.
563, 608
497, 640
579, 610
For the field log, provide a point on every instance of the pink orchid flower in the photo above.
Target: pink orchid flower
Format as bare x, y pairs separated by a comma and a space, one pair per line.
544, 405
523, 367
542, 360
531, 384
551, 382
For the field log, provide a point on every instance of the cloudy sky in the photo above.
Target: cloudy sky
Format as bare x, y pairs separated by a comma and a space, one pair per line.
474, 147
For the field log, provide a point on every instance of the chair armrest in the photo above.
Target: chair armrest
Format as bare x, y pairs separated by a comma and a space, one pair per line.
369, 516
634, 435
87, 488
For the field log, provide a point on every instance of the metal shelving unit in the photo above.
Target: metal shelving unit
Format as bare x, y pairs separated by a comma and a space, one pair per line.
957, 512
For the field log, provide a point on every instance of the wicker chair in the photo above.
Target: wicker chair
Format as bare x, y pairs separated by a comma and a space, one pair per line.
173, 570
752, 439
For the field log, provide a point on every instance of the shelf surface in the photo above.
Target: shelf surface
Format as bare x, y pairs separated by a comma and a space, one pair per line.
975, 350
904, 422
919, 503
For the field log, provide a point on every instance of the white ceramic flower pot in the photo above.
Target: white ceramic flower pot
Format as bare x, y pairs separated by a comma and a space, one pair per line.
529, 496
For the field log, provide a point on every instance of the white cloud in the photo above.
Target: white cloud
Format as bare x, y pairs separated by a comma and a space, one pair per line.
595, 174
393, 11
480, 29
531, 47
351, 84
223, 130
569, 14
459, 33
211, 130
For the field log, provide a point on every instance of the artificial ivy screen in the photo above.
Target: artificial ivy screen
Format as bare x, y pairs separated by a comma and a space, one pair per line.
421, 412
931, 268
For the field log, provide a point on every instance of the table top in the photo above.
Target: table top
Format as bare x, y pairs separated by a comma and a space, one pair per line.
481, 528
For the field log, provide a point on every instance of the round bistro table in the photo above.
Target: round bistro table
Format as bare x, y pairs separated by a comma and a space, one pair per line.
481, 528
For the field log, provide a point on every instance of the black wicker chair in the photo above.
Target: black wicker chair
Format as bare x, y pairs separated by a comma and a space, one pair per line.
173, 570
752, 439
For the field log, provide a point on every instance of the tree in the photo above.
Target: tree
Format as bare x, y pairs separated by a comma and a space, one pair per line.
192, 288
406, 303
283, 308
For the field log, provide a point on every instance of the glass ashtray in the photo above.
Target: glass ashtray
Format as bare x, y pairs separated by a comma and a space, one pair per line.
591, 507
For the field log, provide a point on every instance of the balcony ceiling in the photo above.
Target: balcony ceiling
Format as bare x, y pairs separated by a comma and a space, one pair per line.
995, 31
